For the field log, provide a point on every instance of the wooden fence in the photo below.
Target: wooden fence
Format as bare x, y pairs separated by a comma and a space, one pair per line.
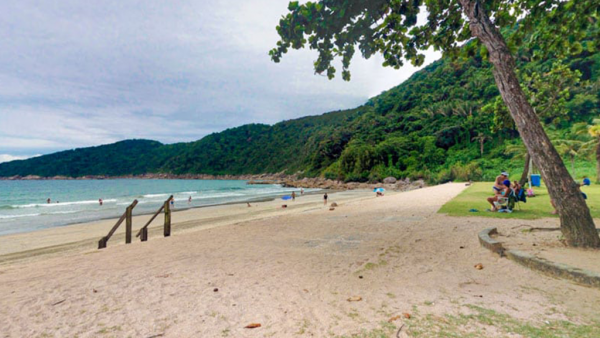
128, 218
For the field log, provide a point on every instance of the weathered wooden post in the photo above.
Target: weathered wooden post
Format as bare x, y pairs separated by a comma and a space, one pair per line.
126, 215
168, 217
102, 243
129, 222
144, 234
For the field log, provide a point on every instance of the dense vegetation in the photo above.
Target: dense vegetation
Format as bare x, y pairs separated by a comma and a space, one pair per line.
446, 122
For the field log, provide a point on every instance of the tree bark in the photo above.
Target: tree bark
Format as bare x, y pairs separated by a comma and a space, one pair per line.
524, 175
481, 146
576, 222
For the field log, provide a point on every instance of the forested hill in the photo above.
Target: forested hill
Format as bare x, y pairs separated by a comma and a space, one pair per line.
446, 122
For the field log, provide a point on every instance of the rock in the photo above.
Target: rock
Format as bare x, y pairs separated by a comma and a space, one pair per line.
389, 180
333, 204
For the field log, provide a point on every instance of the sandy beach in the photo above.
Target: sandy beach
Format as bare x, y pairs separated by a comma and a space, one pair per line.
303, 271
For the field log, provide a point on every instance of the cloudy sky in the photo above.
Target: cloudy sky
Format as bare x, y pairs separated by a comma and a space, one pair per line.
82, 73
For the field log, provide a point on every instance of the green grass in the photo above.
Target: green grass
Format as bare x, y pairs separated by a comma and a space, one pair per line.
474, 197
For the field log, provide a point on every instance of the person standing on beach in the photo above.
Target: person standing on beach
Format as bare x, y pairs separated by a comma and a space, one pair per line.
301, 191
325, 199
100, 201
293, 195
48, 201
190, 200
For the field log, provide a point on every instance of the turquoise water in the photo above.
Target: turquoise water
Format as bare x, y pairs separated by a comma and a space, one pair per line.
24, 207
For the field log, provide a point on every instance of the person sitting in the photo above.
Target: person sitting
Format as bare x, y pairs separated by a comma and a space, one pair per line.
498, 186
509, 200
500, 192
516, 187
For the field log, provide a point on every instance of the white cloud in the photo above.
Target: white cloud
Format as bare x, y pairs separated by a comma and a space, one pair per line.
8, 157
79, 73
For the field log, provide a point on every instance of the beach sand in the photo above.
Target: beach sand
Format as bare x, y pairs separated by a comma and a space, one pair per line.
291, 270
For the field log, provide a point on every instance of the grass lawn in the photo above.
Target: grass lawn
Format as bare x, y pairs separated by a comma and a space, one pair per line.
474, 197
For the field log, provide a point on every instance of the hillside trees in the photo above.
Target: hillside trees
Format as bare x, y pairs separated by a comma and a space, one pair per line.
336, 27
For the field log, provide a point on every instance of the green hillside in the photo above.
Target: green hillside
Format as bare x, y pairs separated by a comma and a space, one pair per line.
432, 126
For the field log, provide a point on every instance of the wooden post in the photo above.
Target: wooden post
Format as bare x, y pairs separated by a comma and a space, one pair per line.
167, 218
126, 214
128, 224
144, 234
102, 243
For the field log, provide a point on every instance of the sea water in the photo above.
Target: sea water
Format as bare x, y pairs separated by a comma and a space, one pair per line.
24, 207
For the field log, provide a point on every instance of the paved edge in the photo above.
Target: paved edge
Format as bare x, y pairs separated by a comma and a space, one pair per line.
542, 265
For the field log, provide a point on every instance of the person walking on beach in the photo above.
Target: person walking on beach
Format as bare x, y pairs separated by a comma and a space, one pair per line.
293, 195
301, 191
190, 200
325, 199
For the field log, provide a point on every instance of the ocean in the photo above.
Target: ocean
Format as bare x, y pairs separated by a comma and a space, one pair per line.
24, 207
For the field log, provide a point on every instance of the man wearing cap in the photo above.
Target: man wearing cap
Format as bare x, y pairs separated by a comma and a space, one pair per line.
505, 174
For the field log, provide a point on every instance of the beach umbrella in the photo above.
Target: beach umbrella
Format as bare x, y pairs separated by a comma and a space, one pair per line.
286, 197
378, 190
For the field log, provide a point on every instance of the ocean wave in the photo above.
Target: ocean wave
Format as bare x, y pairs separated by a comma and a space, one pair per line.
60, 212
17, 216
51, 205
155, 195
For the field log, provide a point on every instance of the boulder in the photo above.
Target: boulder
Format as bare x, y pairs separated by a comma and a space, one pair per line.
389, 180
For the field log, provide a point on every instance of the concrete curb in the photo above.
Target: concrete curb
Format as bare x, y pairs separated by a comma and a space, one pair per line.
542, 265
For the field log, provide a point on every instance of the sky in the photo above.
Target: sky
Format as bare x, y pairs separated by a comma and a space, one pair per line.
83, 73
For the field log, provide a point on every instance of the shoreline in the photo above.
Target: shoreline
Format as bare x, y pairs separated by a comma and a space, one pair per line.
84, 236
99, 219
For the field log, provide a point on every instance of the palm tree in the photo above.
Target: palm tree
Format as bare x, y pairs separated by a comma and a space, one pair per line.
481, 138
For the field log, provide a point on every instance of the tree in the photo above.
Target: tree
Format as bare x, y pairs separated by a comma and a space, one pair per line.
335, 27
481, 138
548, 92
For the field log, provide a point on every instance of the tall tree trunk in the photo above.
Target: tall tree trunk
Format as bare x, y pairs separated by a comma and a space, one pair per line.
576, 222
481, 146
524, 175
598, 161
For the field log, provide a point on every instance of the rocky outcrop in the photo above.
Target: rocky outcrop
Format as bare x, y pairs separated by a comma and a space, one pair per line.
389, 180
